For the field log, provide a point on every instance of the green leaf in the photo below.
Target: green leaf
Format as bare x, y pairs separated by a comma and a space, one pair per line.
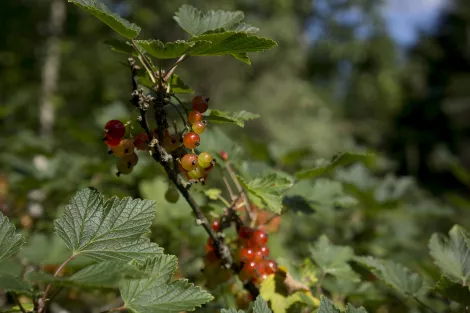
266, 192
158, 292
237, 118
14, 283
452, 254
326, 306
117, 23
232, 43
453, 290
178, 86
121, 46
110, 230
260, 306
333, 259
197, 22
351, 309
341, 159
213, 193
231, 311
244, 27
395, 275
10, 241
170, 50
104, 274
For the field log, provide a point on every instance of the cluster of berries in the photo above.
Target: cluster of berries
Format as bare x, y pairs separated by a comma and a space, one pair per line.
254, 255
123, 149
195, 166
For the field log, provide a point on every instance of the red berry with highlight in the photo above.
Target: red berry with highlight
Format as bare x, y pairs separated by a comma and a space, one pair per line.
223, 155
194, 116
189, 162
270, 267
199, 127
115, 129
259, 239
262, 253
110, 141
245, 232
191, 140
216, 225
247, 255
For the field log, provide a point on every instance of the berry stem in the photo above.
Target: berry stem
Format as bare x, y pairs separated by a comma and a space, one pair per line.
173, 68
180, 114
229, 188
240, 190
145, 62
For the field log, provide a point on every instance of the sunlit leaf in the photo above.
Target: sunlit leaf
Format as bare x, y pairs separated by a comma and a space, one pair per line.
237, 118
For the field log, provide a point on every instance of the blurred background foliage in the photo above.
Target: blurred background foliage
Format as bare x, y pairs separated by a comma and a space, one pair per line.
337, 82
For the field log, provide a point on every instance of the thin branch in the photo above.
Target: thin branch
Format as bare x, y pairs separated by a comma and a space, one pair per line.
240, 190
18, 303
229, 188
42, 303
145, 61
173, 68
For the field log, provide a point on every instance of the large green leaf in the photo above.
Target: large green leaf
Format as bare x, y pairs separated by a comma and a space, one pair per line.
14, 283
341, 159
110, 230
352, 309
197, 22
453, 290
117, 23
395, 275
237, 118
158, 293
452, 254
333, 259
177, 85
10, 241
260, 306
231, 311
266, 191
232, 43
170, 50
121, 46
104, 274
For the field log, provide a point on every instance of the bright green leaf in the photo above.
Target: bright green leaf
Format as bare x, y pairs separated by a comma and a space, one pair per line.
267, 191
260, 306
333, 259
117, 23
232, 43
395, 275
10, 241
351, 309
237, 118
231, 311
110, 230
452, 254
158, 292
341, 159
213, 193
197, 22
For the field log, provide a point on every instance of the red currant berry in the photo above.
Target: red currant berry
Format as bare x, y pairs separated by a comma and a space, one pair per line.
262, 253
115, 129
199, 127
189, 162
181, 168
141, 141
216, 225
126, 146
170, 143
223, 155
247, 255
197, 173
131, 159
123, 167
204, 159
270, 267
110, 141
209, 245
245, 232
200, 104
194, 116
191, 140
259, 239
248, 271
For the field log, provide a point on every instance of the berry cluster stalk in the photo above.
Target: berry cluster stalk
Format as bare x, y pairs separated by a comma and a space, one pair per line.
160, 155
